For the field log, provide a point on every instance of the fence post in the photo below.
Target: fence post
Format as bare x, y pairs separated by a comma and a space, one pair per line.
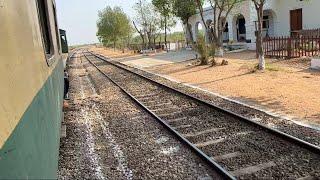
289, 49
318, 45
257, 49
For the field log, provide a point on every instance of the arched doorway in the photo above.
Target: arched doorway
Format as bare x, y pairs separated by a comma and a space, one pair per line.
240, 23
199, 30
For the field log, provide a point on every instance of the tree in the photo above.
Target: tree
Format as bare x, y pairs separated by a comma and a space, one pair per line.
147, 21
165, 8
113, 25
259, 8
221, 10
184, 9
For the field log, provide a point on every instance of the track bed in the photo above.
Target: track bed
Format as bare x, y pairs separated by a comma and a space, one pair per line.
244, 148
110, 137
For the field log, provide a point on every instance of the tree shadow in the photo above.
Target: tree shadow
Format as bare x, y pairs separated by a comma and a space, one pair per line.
244, 55
178, 70
272, 104
312, 72
200, 68
222, 79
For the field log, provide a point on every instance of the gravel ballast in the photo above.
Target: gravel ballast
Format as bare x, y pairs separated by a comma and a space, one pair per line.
259, 152
309, 134
110, 137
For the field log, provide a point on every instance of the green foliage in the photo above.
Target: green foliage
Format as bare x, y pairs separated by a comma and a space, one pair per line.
176, 36
164, 7
146, 15
268, 67
201, 32
184, 9
113, 26
173, 37
212, 49
147, 22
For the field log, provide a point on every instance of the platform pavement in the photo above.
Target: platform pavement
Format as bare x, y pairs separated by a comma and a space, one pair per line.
145, 61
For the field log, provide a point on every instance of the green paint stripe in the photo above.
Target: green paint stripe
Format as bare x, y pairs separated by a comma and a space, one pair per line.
32, 149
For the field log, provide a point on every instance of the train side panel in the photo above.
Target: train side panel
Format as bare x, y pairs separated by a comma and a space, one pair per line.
31, 94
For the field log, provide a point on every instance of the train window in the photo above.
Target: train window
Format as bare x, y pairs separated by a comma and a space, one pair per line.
56, 27
45, 28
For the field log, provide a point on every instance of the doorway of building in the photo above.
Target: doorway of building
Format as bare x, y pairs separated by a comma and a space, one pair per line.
241, 29
295, 21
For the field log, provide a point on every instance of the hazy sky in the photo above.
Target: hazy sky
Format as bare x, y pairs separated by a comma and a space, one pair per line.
79, 17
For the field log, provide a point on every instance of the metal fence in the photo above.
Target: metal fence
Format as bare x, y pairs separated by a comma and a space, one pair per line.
291, 47
309, 33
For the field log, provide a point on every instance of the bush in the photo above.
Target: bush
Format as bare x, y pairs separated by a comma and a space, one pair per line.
202, 50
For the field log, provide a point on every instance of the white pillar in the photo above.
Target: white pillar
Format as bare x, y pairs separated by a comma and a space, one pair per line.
250, 32
194, 32
230, 27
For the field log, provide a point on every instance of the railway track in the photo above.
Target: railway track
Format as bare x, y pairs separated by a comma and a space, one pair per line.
235, 146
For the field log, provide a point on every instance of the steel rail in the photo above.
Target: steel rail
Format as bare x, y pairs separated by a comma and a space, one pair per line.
285, 136
201, 154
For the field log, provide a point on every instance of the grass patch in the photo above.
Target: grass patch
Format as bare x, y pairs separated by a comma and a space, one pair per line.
269, 67
272, 67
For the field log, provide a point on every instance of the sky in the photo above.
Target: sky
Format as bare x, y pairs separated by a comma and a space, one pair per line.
79, 17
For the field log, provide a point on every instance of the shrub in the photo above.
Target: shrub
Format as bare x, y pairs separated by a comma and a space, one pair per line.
202, 50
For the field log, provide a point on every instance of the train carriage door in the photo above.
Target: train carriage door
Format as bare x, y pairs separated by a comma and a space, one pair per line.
64, 41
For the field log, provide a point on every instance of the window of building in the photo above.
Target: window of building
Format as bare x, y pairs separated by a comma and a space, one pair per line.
265, 23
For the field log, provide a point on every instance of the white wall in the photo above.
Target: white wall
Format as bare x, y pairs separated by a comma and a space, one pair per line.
310, 14
243, 9
280, 20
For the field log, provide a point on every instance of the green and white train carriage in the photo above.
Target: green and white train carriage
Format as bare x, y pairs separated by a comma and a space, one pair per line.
31, 89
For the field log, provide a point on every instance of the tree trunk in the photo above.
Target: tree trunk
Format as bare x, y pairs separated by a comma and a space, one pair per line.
114, 45
165, 32
190, 32
262, 63
140, 33
219, 51
149, 40
259, 40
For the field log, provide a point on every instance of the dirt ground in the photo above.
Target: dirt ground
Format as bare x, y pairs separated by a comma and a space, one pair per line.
287, 87
112, 53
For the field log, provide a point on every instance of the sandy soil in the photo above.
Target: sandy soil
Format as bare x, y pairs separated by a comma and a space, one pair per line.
112, 53
288, 86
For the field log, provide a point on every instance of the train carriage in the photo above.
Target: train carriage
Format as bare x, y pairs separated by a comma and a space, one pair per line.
31, 89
